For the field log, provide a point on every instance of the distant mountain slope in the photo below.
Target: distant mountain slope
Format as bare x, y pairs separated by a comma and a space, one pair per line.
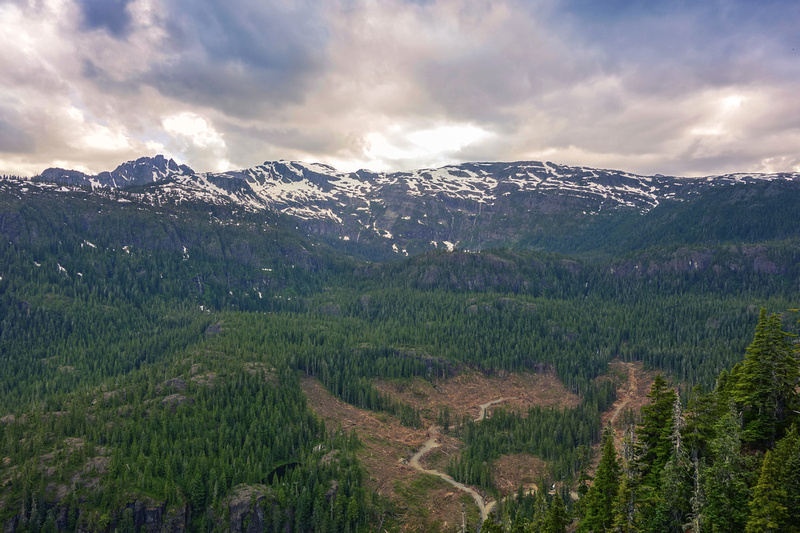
194, 252
141, 316
143, 170
477, 205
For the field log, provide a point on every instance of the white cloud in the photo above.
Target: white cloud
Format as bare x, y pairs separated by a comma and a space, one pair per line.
198, 139
432, 147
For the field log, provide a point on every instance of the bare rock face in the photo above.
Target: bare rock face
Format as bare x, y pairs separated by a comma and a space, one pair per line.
246, 510
142, 171
176, 383
470, 206
149, 516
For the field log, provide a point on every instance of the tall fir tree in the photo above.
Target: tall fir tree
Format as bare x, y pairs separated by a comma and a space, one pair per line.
776, 499
599, 508
627, 518
766, 385
727, 478
655, 431
768, 512
702, 413
557, 517
674, 493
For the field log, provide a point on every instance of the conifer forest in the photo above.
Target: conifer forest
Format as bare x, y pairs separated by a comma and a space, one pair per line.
192, 366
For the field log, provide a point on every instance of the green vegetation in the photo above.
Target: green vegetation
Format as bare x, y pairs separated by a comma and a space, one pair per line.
152, 358
731, 472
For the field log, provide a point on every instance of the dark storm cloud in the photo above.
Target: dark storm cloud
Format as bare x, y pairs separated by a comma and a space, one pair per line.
273, 142
111, 15
13, 139
240, 57
679, 46
103, 80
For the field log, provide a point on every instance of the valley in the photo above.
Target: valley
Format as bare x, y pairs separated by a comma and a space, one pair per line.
290, 348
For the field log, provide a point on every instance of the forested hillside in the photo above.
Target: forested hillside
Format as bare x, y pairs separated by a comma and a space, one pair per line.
153, 360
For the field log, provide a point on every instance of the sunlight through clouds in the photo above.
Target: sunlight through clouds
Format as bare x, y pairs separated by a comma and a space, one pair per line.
196, 135
436, 146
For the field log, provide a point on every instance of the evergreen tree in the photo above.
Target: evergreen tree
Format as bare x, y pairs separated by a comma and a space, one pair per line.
702, 413
599, 508
490, 525
766, 387
768, 511
655, 432
539, 513
776, 502
557, 517
725, 481
627, 518
673, 504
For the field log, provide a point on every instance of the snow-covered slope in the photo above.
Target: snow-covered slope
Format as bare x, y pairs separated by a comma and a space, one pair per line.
471, 205
140, 172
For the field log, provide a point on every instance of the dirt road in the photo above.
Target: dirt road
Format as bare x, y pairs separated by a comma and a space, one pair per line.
428, 446
624, 396
432, 443
486, 405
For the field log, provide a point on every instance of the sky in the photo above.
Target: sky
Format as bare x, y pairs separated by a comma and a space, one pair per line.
676, 87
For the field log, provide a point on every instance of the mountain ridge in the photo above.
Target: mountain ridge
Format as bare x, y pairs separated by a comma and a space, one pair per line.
141, 317
470, 206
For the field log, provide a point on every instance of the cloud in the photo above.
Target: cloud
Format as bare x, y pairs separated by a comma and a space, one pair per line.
674, 87
111, 15
239, 57
13, 139
194, 138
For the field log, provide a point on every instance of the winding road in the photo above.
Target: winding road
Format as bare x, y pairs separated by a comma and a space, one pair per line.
432, 443
484, 406
625, 395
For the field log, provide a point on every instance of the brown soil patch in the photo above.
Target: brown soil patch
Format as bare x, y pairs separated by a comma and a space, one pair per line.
73, 443
438, 458
511, 471
427, 503
465, 393
631, 394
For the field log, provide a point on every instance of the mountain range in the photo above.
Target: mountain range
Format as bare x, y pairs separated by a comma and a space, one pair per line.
470, 206
278, 348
